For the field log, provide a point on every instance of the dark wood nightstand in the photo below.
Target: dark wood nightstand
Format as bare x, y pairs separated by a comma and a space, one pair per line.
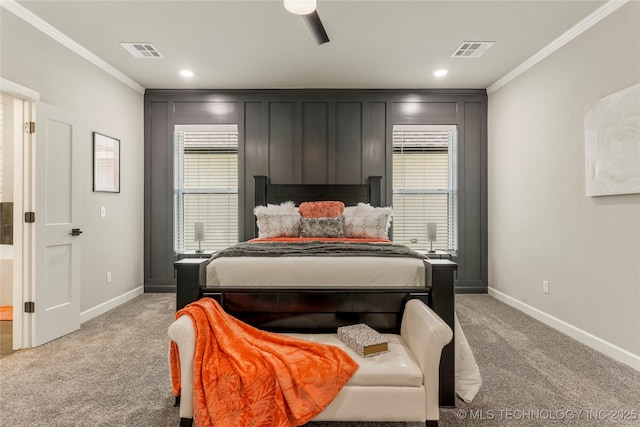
194, 254
191, 274
438, 254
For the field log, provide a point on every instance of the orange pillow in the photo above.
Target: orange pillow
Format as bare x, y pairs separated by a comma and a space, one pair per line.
321, 209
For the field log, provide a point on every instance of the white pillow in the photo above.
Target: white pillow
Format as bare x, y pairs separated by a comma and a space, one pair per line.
282, 208
372, 226
367, 209
468, 380
278, 224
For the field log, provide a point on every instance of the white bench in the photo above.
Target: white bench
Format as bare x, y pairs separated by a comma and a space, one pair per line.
401, 385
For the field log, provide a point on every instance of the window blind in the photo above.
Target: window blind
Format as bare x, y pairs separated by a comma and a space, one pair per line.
206, 186
424, 185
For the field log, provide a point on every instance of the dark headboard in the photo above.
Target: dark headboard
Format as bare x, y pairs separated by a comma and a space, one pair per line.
349, 194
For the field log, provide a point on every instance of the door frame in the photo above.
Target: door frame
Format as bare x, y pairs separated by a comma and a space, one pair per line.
23, 180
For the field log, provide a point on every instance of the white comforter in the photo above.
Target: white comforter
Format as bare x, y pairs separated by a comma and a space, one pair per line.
316, 271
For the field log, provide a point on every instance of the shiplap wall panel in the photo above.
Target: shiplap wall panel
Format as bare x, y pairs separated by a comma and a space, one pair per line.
348, 158
282, 143
158, 244
256, 157
206, 112
319, 136
472, 274
374, 143
315, 142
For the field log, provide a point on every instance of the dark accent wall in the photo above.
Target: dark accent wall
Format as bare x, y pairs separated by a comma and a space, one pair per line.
314, 137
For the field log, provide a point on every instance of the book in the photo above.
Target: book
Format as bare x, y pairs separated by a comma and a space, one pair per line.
363, 339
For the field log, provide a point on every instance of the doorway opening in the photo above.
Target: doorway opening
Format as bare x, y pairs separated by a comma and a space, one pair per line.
16, 108
10, 115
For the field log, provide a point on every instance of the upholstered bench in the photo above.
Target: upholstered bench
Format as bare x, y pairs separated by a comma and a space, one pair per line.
400, 385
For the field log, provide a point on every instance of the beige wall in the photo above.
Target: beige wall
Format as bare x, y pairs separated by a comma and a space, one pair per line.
541, 224
103, 104
7, 149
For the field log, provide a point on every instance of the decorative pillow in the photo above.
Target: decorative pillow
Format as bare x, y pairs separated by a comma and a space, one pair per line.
372, 226
328, 209
278, 224
365, 209
322, 227
350, 211
282, 208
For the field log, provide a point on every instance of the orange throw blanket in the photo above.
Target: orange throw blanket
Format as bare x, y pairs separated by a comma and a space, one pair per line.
247, 377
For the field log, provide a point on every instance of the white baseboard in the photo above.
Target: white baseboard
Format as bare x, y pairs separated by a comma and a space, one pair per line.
611, 350
108, 305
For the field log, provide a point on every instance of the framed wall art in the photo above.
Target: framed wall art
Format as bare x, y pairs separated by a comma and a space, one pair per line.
106, 163
612, 144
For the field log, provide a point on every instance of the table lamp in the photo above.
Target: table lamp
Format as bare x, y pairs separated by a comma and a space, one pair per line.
199, 235
432, 234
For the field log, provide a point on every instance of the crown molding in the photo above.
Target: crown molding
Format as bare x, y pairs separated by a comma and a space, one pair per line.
18, 91
37, 22
582, 26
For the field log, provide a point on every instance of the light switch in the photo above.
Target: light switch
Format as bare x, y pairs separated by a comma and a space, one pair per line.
103, 211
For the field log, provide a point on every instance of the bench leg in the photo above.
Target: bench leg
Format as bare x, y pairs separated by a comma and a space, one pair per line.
431, 423
186, 422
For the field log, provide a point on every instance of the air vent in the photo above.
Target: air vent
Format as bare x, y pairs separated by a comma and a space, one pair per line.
471, 49
142, 50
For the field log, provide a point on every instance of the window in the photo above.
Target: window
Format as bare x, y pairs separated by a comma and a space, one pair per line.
206, 186
424, 185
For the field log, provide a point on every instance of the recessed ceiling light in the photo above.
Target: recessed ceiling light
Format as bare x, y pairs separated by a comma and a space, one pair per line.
300, 7
440, 73
186, 73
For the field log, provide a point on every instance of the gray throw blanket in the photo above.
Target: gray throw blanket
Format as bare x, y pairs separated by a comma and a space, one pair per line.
316, 248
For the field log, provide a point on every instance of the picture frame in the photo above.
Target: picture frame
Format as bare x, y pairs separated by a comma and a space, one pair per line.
612, 144
106, 163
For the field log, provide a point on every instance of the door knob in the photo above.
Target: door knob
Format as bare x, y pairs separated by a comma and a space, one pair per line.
75, 232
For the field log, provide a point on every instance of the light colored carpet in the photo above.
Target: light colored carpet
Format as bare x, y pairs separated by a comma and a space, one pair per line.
113, 374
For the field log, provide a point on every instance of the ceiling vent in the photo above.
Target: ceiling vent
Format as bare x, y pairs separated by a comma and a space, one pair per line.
471, 49
142, 50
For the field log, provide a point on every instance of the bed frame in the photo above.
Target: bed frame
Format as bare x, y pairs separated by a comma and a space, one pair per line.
324, 309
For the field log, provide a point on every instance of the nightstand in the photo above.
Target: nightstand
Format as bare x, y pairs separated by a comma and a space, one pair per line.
438, 254
191, 275
194, 254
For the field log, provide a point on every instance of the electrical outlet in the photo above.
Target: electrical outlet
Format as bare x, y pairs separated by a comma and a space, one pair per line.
103, 211
545, 286
108, 277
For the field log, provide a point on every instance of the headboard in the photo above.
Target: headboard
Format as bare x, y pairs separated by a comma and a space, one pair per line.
349, 194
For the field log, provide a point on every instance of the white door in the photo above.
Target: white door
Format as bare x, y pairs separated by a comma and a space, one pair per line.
57, 213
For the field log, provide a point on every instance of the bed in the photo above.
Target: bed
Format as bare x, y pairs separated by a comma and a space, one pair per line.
321, 307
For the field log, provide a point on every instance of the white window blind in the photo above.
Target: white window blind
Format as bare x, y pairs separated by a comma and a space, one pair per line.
206, 186
424, 185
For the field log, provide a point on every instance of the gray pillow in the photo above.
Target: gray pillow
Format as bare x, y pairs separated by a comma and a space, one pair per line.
322, 227
278, 225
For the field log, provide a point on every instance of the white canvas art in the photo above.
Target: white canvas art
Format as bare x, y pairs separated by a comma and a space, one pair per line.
612, 144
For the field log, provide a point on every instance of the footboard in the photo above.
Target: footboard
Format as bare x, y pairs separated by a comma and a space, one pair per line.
324, 309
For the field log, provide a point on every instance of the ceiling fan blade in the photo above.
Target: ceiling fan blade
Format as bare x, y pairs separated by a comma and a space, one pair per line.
315, 26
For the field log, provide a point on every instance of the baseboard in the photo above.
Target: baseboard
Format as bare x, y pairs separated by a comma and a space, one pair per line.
471, 290
108, 305
611, 350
